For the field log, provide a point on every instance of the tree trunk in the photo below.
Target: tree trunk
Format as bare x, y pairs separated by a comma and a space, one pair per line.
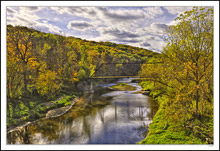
197, 88
197, 99
25, 77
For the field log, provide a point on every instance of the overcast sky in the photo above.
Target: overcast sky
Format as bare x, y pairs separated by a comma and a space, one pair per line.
135, 26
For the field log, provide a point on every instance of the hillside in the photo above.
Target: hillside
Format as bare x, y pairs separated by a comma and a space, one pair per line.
42, 65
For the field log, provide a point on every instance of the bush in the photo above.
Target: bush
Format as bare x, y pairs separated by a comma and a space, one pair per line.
35, 115
82, 74
32, 104
64, 101
21, 110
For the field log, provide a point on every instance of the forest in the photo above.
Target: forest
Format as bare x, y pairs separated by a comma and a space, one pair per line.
43, 67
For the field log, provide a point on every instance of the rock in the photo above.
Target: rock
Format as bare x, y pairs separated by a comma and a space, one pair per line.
60, 111
57, 112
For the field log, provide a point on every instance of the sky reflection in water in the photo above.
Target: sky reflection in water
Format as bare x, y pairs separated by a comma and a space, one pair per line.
122, 120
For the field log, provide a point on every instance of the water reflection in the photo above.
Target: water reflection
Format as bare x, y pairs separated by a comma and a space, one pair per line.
118, 117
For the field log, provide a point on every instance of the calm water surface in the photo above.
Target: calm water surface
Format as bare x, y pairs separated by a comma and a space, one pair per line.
116, 117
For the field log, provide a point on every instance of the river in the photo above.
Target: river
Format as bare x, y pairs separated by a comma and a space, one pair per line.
115, 117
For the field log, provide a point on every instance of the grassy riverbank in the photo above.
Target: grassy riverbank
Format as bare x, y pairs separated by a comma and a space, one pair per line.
40, 107
122, 87
166, 130
39, 111
31, 108
160, 132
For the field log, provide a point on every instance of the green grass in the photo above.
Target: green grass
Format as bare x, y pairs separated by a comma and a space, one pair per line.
22, 113
162, 131
122, 87
65, 101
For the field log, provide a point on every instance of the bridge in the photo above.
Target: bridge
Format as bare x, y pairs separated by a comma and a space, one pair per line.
118, 70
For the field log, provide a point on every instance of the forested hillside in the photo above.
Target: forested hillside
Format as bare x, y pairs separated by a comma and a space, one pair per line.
41, 65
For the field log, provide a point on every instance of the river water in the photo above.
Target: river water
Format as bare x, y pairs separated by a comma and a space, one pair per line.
115, 117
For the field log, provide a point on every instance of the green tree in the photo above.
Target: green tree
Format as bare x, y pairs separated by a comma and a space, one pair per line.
186, 73
190, 46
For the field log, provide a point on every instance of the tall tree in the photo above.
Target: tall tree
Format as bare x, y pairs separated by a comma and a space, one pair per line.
187, 70
22, 44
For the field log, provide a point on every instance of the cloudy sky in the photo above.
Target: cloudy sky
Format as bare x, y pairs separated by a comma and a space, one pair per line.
135, 26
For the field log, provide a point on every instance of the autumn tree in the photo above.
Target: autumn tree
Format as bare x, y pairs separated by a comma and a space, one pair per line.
21, 43
186, 74
190, 44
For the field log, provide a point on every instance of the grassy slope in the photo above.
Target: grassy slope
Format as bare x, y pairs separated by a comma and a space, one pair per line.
162, 133
37, 108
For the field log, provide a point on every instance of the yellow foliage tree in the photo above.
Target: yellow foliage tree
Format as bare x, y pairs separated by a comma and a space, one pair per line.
47, 84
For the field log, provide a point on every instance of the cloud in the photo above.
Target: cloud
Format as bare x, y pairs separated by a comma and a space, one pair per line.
48, 28
155, 28
118, 33
10, 11
26, 17
177, 10
158, 27
79, 25
31, 8
152, 12
120, 15
152, 37
101, 13
21, 20
146, 44
45, 27
136, 26
128, 41
85, 12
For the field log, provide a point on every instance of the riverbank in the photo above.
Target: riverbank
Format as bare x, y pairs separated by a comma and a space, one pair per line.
46, 110
54, 107
163, 130
31, 107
